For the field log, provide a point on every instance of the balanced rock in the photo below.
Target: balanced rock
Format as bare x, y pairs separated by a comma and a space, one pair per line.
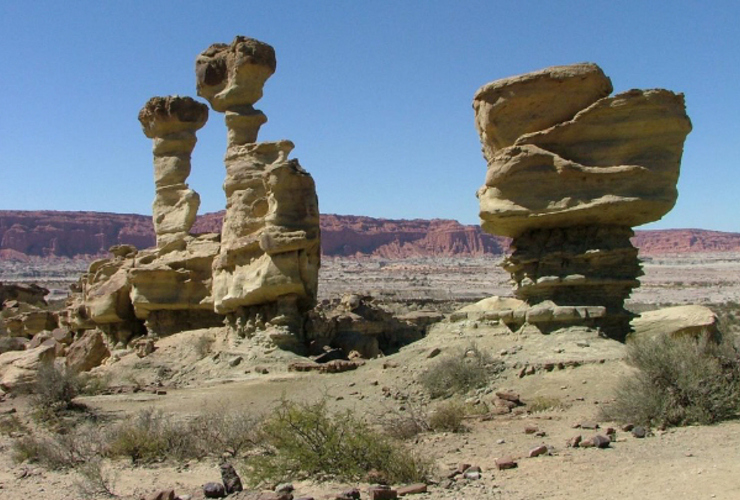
570, 171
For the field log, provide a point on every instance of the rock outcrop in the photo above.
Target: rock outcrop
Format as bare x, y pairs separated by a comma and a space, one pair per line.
267, 267
261, 272
570, 171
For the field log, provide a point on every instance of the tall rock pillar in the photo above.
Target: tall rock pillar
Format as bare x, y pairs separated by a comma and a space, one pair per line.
172, 122
266, 275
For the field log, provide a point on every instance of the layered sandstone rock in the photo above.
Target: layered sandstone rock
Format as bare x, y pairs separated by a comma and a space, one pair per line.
267, 267
262, 271
570, 171
172, 122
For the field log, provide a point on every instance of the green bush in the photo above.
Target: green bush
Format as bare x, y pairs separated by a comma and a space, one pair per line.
460, 373
679, 381
304, 440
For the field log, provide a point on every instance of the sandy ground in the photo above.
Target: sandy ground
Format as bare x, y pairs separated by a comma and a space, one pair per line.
691, 463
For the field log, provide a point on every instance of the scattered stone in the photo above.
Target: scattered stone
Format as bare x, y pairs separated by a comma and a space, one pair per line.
504, 463
639, 432
574, 442
163, 495
351, 494
536, 452
412, 489
433, 353
598, 441
382, 492
628, 427
214, 490
509, 396
232, 481
262, 370
531, 429
589, 425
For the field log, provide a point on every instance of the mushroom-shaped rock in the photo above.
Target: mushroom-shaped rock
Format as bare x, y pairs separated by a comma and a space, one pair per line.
172, 122
570, 171
233, 75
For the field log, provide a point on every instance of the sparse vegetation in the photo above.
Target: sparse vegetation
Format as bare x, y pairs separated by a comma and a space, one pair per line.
220, 430
150, 436
679, 381
303, 440
405, 424
459, 373
95, 482
544, 403
448, 417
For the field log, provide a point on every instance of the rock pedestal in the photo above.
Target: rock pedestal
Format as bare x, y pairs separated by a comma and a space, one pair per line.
172, 122
266, 273
570, 171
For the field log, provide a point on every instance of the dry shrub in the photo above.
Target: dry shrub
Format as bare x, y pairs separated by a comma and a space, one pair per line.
545, 403
303, 440
54, 391
95, 482
149, 436
679, 381
404, 424
460, 373
60, 451
221, 429
11, 424
448, 417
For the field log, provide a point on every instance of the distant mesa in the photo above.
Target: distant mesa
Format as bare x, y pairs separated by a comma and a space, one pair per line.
48, 234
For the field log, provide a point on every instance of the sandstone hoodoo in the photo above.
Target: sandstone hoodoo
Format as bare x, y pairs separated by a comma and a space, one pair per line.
261, 272
268, 264
571, 170
172, 122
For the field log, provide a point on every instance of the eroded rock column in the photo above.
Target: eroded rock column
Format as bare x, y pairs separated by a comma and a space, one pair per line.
172, 122
571, 170
266, 274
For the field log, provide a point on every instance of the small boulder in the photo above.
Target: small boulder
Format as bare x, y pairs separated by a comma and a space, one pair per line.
87, 352
504, 463
537, 451
231, 480
214, 490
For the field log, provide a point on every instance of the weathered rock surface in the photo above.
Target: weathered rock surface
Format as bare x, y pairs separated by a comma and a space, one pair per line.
87, 352
267, 267
570, 171
18, 369
261, 273
694, 320
172, 122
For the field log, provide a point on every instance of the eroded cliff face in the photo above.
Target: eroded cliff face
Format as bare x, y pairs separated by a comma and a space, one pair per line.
571, 170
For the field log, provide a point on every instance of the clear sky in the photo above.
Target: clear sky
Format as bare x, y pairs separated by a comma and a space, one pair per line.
376, 95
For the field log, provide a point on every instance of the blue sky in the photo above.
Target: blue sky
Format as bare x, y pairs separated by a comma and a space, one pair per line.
376, 95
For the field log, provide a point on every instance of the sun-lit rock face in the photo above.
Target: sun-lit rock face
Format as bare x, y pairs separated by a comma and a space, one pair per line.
261, 273
570, 171
267, 267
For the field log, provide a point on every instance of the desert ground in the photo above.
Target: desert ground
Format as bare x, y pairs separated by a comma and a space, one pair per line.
575, 372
